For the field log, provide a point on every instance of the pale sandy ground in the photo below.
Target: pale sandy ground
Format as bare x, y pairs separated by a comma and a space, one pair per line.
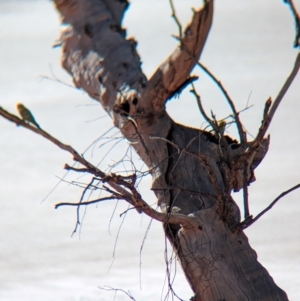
249, 48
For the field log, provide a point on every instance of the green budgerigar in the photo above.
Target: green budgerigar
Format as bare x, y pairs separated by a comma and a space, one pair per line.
26, 115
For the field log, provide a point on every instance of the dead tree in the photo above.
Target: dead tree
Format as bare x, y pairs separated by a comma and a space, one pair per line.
193, 171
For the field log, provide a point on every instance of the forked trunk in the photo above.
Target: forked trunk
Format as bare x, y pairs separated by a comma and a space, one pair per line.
194, 172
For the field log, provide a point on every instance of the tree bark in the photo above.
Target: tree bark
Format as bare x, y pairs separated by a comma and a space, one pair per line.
193, 171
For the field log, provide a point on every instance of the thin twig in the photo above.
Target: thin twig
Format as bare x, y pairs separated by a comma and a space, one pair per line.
285, 87
169, 261
198, 99
112, 215
80, 201
245, 190
141, 250
55, 186
174, 16
108, 288
166, 140
125, 212
110, 149
297, 21
96, 140
249, 221
76, 156
79, 184
139, 135
269, 116
68, 167
179, 90
55, 78
214, 124
86, 203
242, 134
116, 242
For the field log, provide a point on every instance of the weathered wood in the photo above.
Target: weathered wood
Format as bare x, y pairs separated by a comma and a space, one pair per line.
220, 265
193, 172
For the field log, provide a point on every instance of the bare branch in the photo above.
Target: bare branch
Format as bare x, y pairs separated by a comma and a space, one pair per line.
174, 16
86, 203
214, 124
168, 141
141, 250
115, 181
80, 201
108, 288
259, 146
199, 103
76, 157
245, 190
297, 21
68, 167
116, 241
178, 91
172, 218
285, 87
249, 221
56, 79
269, 113
242, 134
68, 148
176, 69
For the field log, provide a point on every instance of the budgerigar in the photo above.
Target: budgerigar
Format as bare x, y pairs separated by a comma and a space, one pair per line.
222, 126
26, 115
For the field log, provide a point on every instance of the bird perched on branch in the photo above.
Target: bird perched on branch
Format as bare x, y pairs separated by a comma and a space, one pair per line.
26, 115
221, 127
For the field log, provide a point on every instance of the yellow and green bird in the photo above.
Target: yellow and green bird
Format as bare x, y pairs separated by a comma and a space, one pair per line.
26, 115
221, 127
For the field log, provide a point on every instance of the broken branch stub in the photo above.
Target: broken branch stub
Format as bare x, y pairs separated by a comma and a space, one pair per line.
172, 73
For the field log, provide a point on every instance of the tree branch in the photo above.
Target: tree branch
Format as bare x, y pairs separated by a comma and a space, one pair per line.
245, 191
270, 110
259, 146
76, 157
80, 201
249, 221
285, 87
108, 288
172, 218
177, 92
214, 124
171, 74
68, 167
86, 203
201, 109
117, 182
297, 21
242, 134
174, 16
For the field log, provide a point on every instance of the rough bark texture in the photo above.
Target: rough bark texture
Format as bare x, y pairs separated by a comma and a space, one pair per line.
193, 172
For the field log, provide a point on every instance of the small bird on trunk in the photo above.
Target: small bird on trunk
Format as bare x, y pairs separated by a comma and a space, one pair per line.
26, 115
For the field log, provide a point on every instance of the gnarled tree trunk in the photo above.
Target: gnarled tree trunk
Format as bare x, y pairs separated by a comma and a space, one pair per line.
193, 171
